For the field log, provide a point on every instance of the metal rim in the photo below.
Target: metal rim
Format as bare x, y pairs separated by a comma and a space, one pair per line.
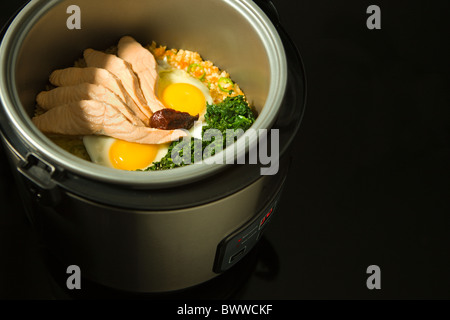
38, 143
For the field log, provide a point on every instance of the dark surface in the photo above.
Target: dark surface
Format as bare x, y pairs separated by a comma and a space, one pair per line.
370, 181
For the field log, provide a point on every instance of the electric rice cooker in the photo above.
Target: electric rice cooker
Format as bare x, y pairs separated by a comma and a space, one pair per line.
155, 231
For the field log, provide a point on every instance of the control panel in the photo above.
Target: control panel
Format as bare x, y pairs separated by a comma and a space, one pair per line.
235, 246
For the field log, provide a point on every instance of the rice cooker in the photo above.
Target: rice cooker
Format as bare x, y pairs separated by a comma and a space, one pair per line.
156, 231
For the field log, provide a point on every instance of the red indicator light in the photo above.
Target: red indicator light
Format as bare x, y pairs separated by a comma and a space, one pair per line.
265, 218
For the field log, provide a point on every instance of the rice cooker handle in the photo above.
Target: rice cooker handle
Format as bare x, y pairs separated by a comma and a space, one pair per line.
269, 9
40, 180
40, 176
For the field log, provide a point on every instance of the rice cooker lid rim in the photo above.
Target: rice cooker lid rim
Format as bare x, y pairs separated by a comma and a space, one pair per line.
39, 143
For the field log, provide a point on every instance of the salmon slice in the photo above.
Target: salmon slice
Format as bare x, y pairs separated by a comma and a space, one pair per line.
144, 65
85, 91
122, 70
88, 117
99, 76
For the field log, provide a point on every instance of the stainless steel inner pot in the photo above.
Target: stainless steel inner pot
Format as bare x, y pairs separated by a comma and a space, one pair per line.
235, 34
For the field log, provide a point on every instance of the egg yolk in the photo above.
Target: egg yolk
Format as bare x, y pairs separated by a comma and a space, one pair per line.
132, 156
184, 97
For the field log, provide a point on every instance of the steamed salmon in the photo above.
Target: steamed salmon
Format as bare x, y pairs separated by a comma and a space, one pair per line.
144, 65
74, 76
85, 91
87, 117
121, 69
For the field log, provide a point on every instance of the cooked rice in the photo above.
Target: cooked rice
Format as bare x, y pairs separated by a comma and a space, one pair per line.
72, 144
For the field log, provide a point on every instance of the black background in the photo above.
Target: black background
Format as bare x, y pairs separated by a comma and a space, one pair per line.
370, 181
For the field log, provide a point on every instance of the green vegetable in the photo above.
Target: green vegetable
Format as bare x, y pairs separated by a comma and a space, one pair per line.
196, 65
225, 82
167, 162
233, 113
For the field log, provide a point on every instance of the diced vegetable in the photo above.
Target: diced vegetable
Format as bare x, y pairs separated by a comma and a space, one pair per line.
197, 71
225, 84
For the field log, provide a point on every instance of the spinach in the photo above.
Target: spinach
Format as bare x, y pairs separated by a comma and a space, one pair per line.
166, 162
233, 113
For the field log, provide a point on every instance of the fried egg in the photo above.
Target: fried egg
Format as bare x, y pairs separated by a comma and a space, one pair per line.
180, 91
123, 155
